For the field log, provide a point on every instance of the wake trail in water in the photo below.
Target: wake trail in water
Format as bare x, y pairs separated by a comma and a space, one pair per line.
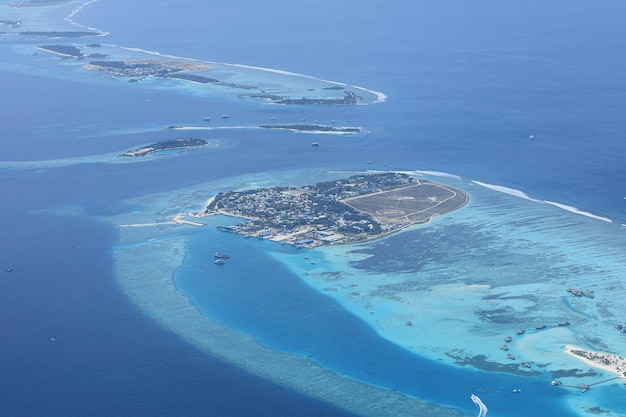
482, 408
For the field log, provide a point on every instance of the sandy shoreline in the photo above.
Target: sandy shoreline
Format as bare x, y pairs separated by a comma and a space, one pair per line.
605, 361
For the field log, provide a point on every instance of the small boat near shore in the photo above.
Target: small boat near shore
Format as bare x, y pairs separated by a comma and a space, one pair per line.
220, 262
221, 255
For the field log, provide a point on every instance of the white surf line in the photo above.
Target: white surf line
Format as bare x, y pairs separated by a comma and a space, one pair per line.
506, 190
380, 97
435, 174
521, 194
155, 53
578, 211
482, 408
70, 20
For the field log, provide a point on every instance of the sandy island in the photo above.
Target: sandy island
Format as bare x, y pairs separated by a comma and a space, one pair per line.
606, 361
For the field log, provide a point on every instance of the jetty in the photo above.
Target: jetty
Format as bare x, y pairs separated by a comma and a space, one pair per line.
585, 387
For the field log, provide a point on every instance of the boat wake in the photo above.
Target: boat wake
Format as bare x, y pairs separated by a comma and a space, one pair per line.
482, 408
521, 194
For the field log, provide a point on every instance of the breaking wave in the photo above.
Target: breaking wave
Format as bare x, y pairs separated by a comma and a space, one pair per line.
521, 194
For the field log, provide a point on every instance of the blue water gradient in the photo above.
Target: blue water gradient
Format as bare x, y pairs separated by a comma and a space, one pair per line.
467, 85
255, 294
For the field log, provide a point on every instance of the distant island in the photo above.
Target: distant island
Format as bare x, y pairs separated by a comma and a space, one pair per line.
314, 128
38, 3
165, 145
12, 23
65, 52
355, 209
179, 70
348, 98
58, 34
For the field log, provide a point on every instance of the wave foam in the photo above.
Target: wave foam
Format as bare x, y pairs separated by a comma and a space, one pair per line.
380, 97
506, 190
70, 20
436, 174
521, 194
578, 211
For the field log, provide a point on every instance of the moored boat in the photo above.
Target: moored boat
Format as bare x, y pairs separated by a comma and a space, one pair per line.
221, 255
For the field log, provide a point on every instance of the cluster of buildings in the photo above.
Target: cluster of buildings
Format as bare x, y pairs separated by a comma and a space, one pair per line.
310, 215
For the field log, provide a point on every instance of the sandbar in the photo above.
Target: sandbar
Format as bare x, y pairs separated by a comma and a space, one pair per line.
605, 361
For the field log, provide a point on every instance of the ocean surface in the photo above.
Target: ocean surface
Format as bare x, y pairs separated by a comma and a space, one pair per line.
108, 309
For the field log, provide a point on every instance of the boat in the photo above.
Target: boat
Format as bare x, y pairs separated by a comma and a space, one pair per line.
507, 339
564, 323
540, 326
517, 391
207, 119
556, 383
520, 331
220, 262
225, 116
510, 356
315, 144
221, 255
505, 347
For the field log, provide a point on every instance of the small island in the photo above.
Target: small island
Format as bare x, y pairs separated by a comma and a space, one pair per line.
166, 69
63, 50
349, 98
166, 146
314, 128
14, 24
59, 34
614, 364
355, 209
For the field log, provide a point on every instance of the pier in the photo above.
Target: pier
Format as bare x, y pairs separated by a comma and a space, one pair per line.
585, 387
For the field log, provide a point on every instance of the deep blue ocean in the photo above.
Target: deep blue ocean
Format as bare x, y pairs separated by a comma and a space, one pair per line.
467, 83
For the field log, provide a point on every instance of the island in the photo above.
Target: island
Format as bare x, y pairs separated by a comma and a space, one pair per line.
355, 209
614, 364
176, 70
348, 98
63, 50
314, 128
59, 34
14, 24
206, 80
166, 146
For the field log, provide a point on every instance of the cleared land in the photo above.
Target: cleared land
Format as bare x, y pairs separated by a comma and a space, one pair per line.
415, 203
